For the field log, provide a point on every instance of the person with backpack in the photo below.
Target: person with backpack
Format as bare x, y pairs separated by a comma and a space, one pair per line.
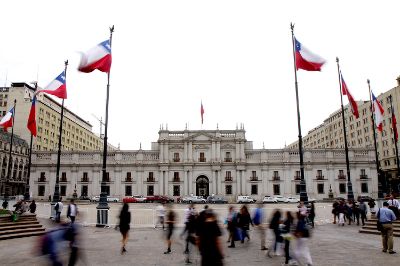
258, 222
302, 234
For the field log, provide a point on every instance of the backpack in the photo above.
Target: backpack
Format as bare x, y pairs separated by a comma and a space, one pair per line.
257, 217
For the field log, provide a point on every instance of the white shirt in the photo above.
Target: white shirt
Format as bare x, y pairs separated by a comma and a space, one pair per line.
60, 206
160, 211
72, 210
394, 202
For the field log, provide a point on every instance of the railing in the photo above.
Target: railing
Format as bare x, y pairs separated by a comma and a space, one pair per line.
176, 160
84, 179
341, 177
63, 179
297, 177
254, 178
151, 179
228, 160
42, 179
363, 176
202, 160
128, 179
319, 177
176, 180
228, 178
276, 178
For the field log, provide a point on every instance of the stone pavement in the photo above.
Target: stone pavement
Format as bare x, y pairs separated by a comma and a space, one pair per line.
330, 245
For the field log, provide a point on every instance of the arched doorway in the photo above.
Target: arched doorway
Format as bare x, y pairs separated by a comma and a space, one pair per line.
202, 186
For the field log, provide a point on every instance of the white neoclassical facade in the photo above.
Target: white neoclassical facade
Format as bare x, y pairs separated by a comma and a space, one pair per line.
205, 162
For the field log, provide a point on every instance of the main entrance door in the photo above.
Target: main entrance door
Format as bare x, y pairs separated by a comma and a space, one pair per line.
202, 185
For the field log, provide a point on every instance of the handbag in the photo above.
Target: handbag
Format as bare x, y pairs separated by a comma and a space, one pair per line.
379, 226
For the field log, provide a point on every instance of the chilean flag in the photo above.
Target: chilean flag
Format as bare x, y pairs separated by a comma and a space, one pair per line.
32, 118
378, 111
307, 60
345, 91
7, 120
57, 87
394, 126
99, 57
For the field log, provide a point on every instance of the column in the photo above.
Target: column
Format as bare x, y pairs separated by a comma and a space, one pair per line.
140, 182
184, 159
166, 151
186, 182
190, 150
214, 183
242, 155
243, 179
166, 183
217, 190
213, 151
238, 183
218, 151
237, 151
191, 183
161, 152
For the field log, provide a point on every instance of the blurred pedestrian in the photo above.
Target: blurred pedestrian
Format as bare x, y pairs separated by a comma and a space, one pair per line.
124, 225
371, 204
274, 224
394, 206
341, 211
258, 221
170, 221
72, 211
209, 240
335, 207
5, 205
32, 207
190, 224
58, 208
356, 213
231, 221
160, 211
363, 212
311, 215
287, 235
302, 234
244, 221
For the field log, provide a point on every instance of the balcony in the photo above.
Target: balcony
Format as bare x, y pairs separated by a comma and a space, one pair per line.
151, 180
228, 179
254, 178
297, 178
202, 160
176, 180
176, 160
84, 180
342, 177
319, 177
42, 179
276, 178
228, 160
128, 179
363, 176
63, 179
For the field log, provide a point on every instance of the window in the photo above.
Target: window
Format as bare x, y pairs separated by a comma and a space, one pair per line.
341, 175
63, 177
150, 190
128, 177
364, 187
151, 177
42, 177
85, 177
107, 179
362, 174
202, 157
41, 190
106, 189
84, 191
319, 174
276, 176
320, 188
228, 176
128, 190
254, 189
228, 189
228, 157
177, 190
298, 189
277, 189
176, 157
297, 175
176, 177
63, 190
342, 188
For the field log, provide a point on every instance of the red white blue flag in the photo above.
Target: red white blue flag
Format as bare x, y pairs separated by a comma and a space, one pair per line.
58, 87
32, 118
307, 60
378, 111
7, 120
394, 126
345, 91
99, 57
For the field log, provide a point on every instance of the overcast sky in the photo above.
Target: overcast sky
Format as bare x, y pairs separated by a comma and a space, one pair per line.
235, 56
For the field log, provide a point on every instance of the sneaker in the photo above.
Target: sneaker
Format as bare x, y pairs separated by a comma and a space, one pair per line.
392, 252
384, 251
167, 252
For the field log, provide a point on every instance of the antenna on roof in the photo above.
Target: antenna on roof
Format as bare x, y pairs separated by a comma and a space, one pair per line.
101, 124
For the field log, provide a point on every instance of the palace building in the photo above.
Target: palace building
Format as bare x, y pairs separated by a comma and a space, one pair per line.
205, 162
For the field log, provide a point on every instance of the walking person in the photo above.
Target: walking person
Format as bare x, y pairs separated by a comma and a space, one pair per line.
170, 221
356, 213
394, 206
209, 240
335, 207
72, 211
160, 211
232, 224
371, 204
244, 221
311, 215
124, 225
32, 207
363, 212
287, 234
258, 221
274, 224
386, 217
58, 208
302, 234
341, 211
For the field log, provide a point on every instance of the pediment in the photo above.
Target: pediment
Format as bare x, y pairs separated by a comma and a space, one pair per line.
201, 137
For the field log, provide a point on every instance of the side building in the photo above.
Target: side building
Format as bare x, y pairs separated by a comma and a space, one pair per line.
205, 162
360, 134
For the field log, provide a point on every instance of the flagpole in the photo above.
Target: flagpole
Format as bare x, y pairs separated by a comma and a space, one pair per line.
303, 190
9, 157
379, 171
56, 195
350, 194
395, 140
27, 187
102, 208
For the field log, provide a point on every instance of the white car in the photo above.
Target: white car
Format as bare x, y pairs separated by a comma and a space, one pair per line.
269, 199
279, 198
293, 199
140, 198
112, 199
193, 199
245, 199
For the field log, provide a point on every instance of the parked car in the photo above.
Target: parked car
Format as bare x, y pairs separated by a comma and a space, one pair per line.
159, 198
216, 199
193, 199
280, 198
269, 199
140, 198
245, 199
293, 199
129, 199
95, 199
84, 198
109, 199
363, 198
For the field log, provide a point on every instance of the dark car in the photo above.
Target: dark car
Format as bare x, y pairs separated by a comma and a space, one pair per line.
216, 199
159, 198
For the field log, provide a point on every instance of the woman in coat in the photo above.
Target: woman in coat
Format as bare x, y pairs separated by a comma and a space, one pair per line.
124, 225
